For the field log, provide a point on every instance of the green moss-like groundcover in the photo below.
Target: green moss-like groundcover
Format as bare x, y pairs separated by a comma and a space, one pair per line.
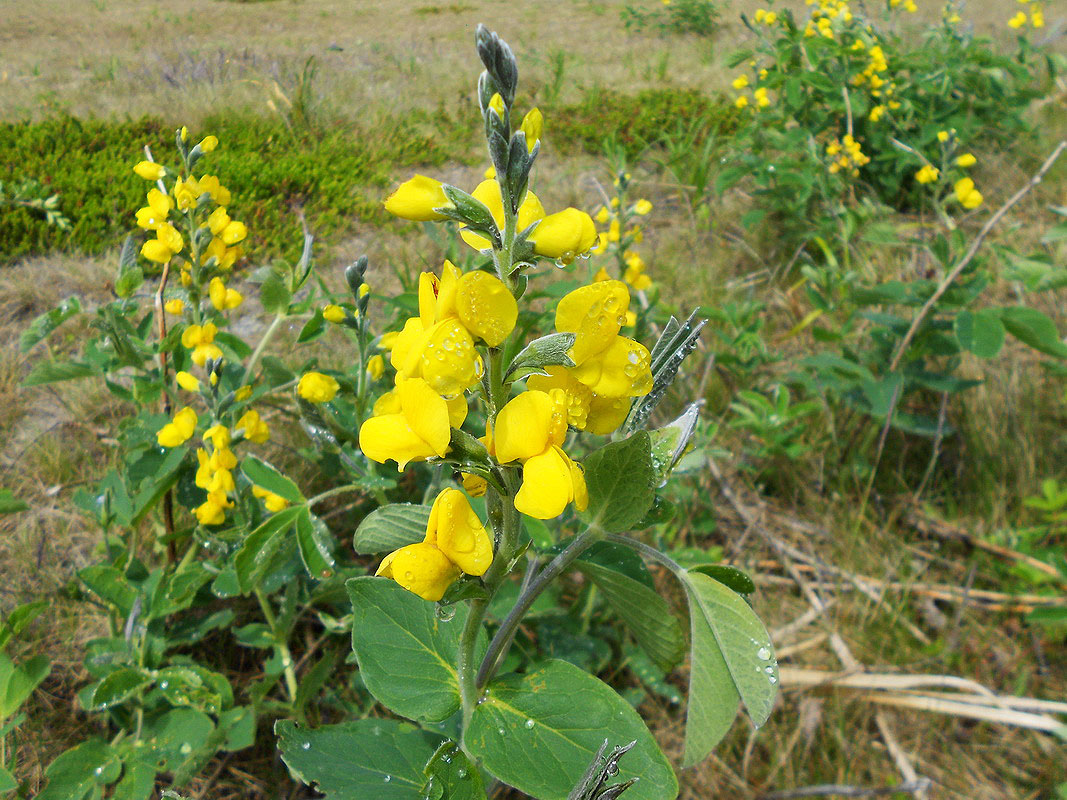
332, 176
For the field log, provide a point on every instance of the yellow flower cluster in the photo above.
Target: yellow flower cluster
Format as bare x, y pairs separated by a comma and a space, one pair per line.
455, 542
1036, 17
620, 234
764, 17
908, 5
609, 369
928, 174
315, 387
846, 155
966, 194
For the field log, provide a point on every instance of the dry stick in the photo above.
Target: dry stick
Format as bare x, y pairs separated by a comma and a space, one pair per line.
843, 790
838, 644
943, 287
980, 599
940, 529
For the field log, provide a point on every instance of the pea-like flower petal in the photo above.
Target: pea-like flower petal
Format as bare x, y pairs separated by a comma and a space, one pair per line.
530, 423
420, 568
419, 429
458, 533
595, 313
417, 198
549, 484
486, 307
564, 235
621, 370
488, 192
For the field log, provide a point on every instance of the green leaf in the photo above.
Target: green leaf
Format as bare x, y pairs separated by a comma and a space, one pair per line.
450, 771
19, 682
18, 619
981, 332
274, 295
46, 323
366, 759
391, 527
129, 281
312, 329
44, 372
81, 769
7, 781
1033, 328
732, 660
731, 577
539, 731
406, 654
619, 478
314, 542
120, 685
9, 504
264, 475
644, 612
110, 585
178, 736
138, 781
261, 546
550, 350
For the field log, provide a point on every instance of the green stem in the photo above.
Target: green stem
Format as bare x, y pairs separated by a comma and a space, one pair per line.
279, 642
350, 487
267, 336
466, 667
649, 551
555, 568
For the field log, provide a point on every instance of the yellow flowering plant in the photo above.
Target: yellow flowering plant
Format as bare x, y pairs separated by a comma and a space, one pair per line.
826, 95
194, 519
511, 419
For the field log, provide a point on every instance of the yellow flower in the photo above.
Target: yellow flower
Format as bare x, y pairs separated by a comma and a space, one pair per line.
233, 233
376, 367
222, 298
155, 213
149, 170
740, 82
167, 242
1037, 18
1018, 20
761, 14
496, 102
635, 273
187, 382
761, 98
271, 501
219, 436
458, 533
334, 314
420, 568
209, 143
213, 510
488, 193
317, 388
475, 485
417, 198
179, 430
642, 207
485, 306
533, 125
200, 339
603, 215
968, 196
531, 428
876, 113
218, 220
771, 18
242, 394
219, 193
601, 275
255, 428
966, 160
186, 193
564, 235
409, 424
741, 101
942, 136
175, 306
910, 6
927, 174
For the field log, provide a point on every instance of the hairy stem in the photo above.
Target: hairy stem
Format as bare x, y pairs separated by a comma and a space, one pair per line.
553, 570
279, 642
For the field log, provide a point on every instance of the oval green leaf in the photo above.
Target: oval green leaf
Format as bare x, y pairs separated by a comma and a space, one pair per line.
538, 732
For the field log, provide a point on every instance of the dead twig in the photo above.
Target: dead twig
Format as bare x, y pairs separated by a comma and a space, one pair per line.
842, 790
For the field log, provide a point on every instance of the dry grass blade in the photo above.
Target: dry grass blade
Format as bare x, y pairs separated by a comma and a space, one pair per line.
841, 790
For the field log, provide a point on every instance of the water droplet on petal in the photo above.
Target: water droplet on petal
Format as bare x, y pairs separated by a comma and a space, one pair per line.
305, 746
